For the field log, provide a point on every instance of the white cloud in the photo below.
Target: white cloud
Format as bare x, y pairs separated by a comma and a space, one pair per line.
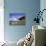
14, 19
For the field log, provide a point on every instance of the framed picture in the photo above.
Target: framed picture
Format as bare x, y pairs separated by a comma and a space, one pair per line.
17, 18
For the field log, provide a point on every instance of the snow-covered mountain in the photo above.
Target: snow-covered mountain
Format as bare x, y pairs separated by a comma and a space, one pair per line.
20, 17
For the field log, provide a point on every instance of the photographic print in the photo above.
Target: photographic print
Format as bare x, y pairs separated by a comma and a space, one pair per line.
17, 19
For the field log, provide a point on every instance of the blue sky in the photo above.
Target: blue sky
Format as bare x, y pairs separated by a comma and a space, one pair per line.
16, 15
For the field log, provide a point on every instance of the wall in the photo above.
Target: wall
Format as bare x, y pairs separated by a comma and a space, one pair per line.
1, 21
30, 7
43, 6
